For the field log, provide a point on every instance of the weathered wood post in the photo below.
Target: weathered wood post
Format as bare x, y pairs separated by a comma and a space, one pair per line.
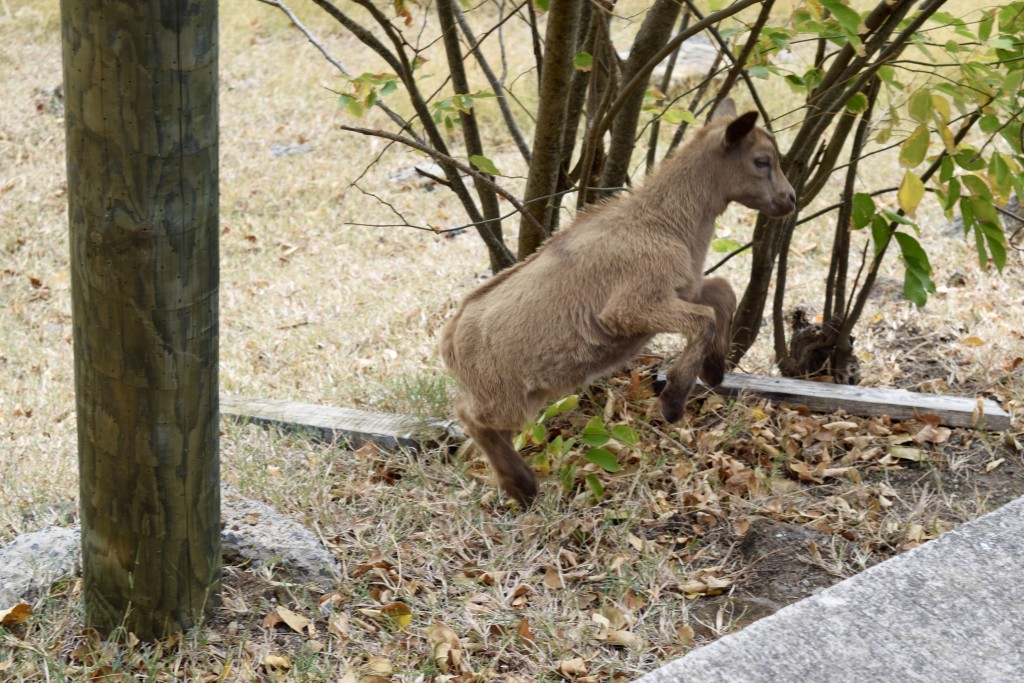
140, 78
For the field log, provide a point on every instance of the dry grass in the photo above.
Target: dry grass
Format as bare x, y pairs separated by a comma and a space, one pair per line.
314, 309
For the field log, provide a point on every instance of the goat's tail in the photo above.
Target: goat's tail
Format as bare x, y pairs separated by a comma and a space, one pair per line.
448, 343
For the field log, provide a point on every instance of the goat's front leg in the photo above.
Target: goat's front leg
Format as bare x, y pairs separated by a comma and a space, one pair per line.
628, 317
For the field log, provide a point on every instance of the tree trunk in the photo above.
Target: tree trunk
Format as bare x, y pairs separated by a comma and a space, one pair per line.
552, 112
653, 34
140, 79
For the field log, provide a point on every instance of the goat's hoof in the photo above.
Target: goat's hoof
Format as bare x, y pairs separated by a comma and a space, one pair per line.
713, 371
523, 490
672, 404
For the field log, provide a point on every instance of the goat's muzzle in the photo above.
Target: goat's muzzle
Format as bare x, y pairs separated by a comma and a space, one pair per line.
783, 205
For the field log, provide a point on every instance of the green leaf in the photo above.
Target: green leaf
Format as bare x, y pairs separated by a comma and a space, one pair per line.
857, 103
595, 434
976, 186
982, 209
847, 18
945, 169
350, 104
915, 148
952, 195
563, 405
484, 164
676, 116
625, 435
920, 105
911, 193
603, 459
540, 434
999, 170
996, 239
724, 245
969, 159
863, 210
567, 475
917, 281
985, 25
583, 61
880, 234
542, 5
595, 487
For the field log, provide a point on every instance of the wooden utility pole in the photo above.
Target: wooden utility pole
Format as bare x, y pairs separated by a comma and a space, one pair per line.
140, 80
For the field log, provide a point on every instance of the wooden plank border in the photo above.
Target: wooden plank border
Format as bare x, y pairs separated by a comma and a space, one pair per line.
953, 411
356, 427
345, 425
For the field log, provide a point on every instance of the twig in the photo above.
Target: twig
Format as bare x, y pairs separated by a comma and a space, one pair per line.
440, 156
496, 85
644, 73
392, 114
725, 259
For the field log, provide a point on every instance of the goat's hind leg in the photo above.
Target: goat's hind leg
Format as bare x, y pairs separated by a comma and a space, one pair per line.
514, 477
719, 295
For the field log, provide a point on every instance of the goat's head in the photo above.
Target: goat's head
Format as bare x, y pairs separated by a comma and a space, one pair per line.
751, 157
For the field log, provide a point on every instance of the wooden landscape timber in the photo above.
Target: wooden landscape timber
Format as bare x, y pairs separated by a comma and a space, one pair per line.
345, 425
357, 427
821, 397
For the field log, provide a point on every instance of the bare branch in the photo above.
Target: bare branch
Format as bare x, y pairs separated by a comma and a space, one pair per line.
496, 85
393, 115
644, 73
447, 159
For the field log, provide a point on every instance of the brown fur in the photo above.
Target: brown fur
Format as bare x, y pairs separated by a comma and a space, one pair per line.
598, 290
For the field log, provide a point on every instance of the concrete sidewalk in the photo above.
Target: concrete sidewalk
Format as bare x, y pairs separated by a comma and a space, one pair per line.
950, 610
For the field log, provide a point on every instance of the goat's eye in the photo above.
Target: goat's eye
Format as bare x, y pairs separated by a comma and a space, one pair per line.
762, 163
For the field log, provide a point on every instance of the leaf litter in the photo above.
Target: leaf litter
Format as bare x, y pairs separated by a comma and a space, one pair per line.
707, 526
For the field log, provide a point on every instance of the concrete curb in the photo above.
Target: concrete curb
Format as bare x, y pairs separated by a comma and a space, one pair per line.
950, 610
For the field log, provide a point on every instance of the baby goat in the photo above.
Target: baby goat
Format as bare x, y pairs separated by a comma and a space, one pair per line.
598, 290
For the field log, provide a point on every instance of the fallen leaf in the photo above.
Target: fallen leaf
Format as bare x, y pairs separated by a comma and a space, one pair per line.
841, 425
447, 647
525, 633
932, 434
379, 665
685, 634
399, 613
994, 464
367, 450
572, 667
272, 619
552, 579
520, 596
623, 638
338, 626
802, 471
904, 453
276, 663
15, 615
972, 341
617, 619
296, 622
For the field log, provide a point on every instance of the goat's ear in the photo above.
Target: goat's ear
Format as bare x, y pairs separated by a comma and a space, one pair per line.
726, 108
738, 129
